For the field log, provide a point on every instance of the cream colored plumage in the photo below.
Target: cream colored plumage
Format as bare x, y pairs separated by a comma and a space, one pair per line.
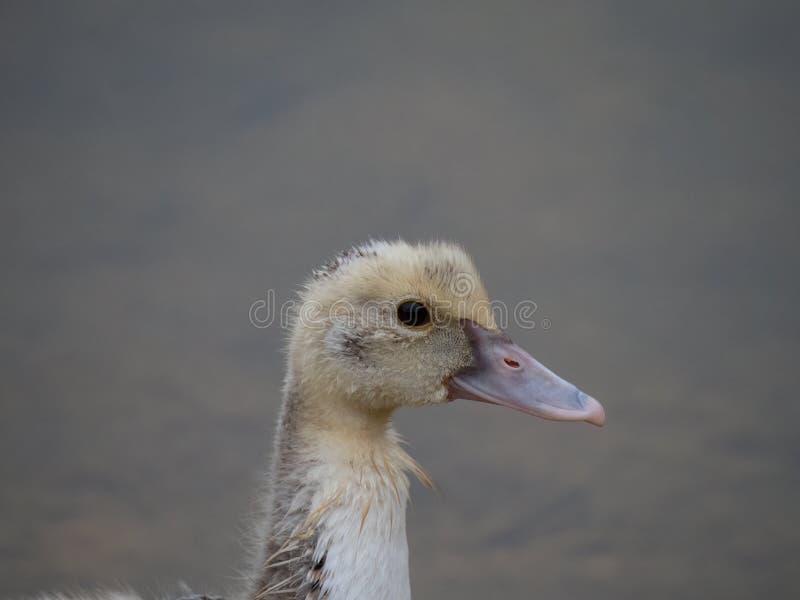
339, 488
380, 326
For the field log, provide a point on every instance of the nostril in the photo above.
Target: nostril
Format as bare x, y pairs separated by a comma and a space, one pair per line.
511, 363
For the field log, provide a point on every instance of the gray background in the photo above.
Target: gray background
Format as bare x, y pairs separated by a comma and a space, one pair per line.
631, 167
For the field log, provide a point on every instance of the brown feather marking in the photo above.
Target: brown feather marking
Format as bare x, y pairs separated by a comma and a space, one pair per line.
365, 512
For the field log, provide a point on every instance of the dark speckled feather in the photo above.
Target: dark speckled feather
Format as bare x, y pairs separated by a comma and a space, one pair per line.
342, 258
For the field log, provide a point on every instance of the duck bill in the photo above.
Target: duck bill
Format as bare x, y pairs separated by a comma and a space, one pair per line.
503, 373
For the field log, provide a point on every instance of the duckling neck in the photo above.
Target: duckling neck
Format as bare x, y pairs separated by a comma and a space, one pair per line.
337, 525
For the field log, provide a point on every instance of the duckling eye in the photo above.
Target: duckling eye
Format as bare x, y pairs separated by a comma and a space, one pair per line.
413, 314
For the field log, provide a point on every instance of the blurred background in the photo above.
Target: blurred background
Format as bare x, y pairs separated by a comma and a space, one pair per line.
631, 167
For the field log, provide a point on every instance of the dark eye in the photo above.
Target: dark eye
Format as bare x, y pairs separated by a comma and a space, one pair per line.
413, 314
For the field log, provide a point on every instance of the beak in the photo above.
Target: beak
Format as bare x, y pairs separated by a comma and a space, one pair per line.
503, 373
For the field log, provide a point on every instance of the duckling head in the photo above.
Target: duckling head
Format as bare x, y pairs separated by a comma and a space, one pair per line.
390, 324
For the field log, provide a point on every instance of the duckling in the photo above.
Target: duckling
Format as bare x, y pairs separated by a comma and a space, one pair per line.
381, 326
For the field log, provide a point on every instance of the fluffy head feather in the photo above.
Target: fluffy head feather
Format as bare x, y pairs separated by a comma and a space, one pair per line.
348, 341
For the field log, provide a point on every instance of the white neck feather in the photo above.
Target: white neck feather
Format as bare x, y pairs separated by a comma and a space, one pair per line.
339, 506
362, 531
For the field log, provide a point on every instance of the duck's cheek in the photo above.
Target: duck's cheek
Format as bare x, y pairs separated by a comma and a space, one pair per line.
428, 391
439, 395
415, 389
